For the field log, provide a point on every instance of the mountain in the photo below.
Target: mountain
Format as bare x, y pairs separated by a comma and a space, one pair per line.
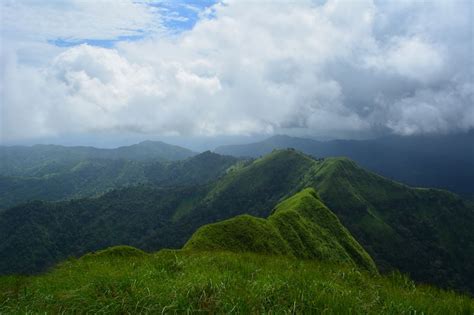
300, 226
199, 169
303, 260
124, 280
88, 177
40, 160
91, 177
441, 161
426, 233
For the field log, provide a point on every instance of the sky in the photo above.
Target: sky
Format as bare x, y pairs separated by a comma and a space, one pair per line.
75, 71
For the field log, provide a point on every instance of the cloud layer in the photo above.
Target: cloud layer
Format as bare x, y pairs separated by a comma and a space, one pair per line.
333, 68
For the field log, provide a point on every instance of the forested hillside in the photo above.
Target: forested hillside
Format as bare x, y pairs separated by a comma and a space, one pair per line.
426, 233
40, 160
93, 177
441, 161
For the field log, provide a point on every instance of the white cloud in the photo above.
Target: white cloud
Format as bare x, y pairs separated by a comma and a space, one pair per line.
431, 111
410, 57
250, 69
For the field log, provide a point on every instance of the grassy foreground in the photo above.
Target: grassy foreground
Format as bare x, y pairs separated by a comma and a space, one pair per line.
126, 280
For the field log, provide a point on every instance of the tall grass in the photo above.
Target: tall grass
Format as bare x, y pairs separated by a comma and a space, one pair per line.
186, 281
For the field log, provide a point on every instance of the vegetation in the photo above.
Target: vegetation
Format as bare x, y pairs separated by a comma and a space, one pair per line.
425, 233
300, 226
40, 160
93, 177
54, 172
123, 280
38, 234
442, 161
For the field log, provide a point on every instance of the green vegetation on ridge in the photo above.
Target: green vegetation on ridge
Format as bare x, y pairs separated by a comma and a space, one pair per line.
300, 226
442, 161
424, 232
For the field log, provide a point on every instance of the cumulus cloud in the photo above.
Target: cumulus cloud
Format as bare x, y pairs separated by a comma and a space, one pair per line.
322, 68
412, 58
429, 111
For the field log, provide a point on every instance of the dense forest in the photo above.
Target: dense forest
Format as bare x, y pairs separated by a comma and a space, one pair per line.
92, 177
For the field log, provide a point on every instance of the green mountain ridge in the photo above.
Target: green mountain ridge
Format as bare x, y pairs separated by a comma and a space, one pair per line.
442, 161
300, 226
303, 261
425, 233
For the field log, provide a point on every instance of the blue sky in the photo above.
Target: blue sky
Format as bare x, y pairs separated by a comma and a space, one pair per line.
175, 16
182, 15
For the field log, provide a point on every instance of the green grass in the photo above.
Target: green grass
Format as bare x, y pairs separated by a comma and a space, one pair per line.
218, 282
300, 226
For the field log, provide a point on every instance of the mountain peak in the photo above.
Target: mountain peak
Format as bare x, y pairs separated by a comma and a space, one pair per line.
286, 152
150, 142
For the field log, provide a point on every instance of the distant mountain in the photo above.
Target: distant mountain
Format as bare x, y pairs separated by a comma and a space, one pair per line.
441, 161
300, 226
40, 160
91, 177
426, 233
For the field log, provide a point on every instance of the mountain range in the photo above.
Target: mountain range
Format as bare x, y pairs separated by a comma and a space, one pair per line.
300, 259
40, 160
440, 161
92, 177
426, 233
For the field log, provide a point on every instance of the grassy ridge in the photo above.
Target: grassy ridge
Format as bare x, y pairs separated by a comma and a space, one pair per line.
442, 161
424, 232
124, 280
300, 226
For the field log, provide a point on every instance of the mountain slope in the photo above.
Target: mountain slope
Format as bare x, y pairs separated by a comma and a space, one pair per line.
125, 280
425, 232
442, 161
199, 169
91, 177
86, 178
300, 226
40, 160
36, 235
